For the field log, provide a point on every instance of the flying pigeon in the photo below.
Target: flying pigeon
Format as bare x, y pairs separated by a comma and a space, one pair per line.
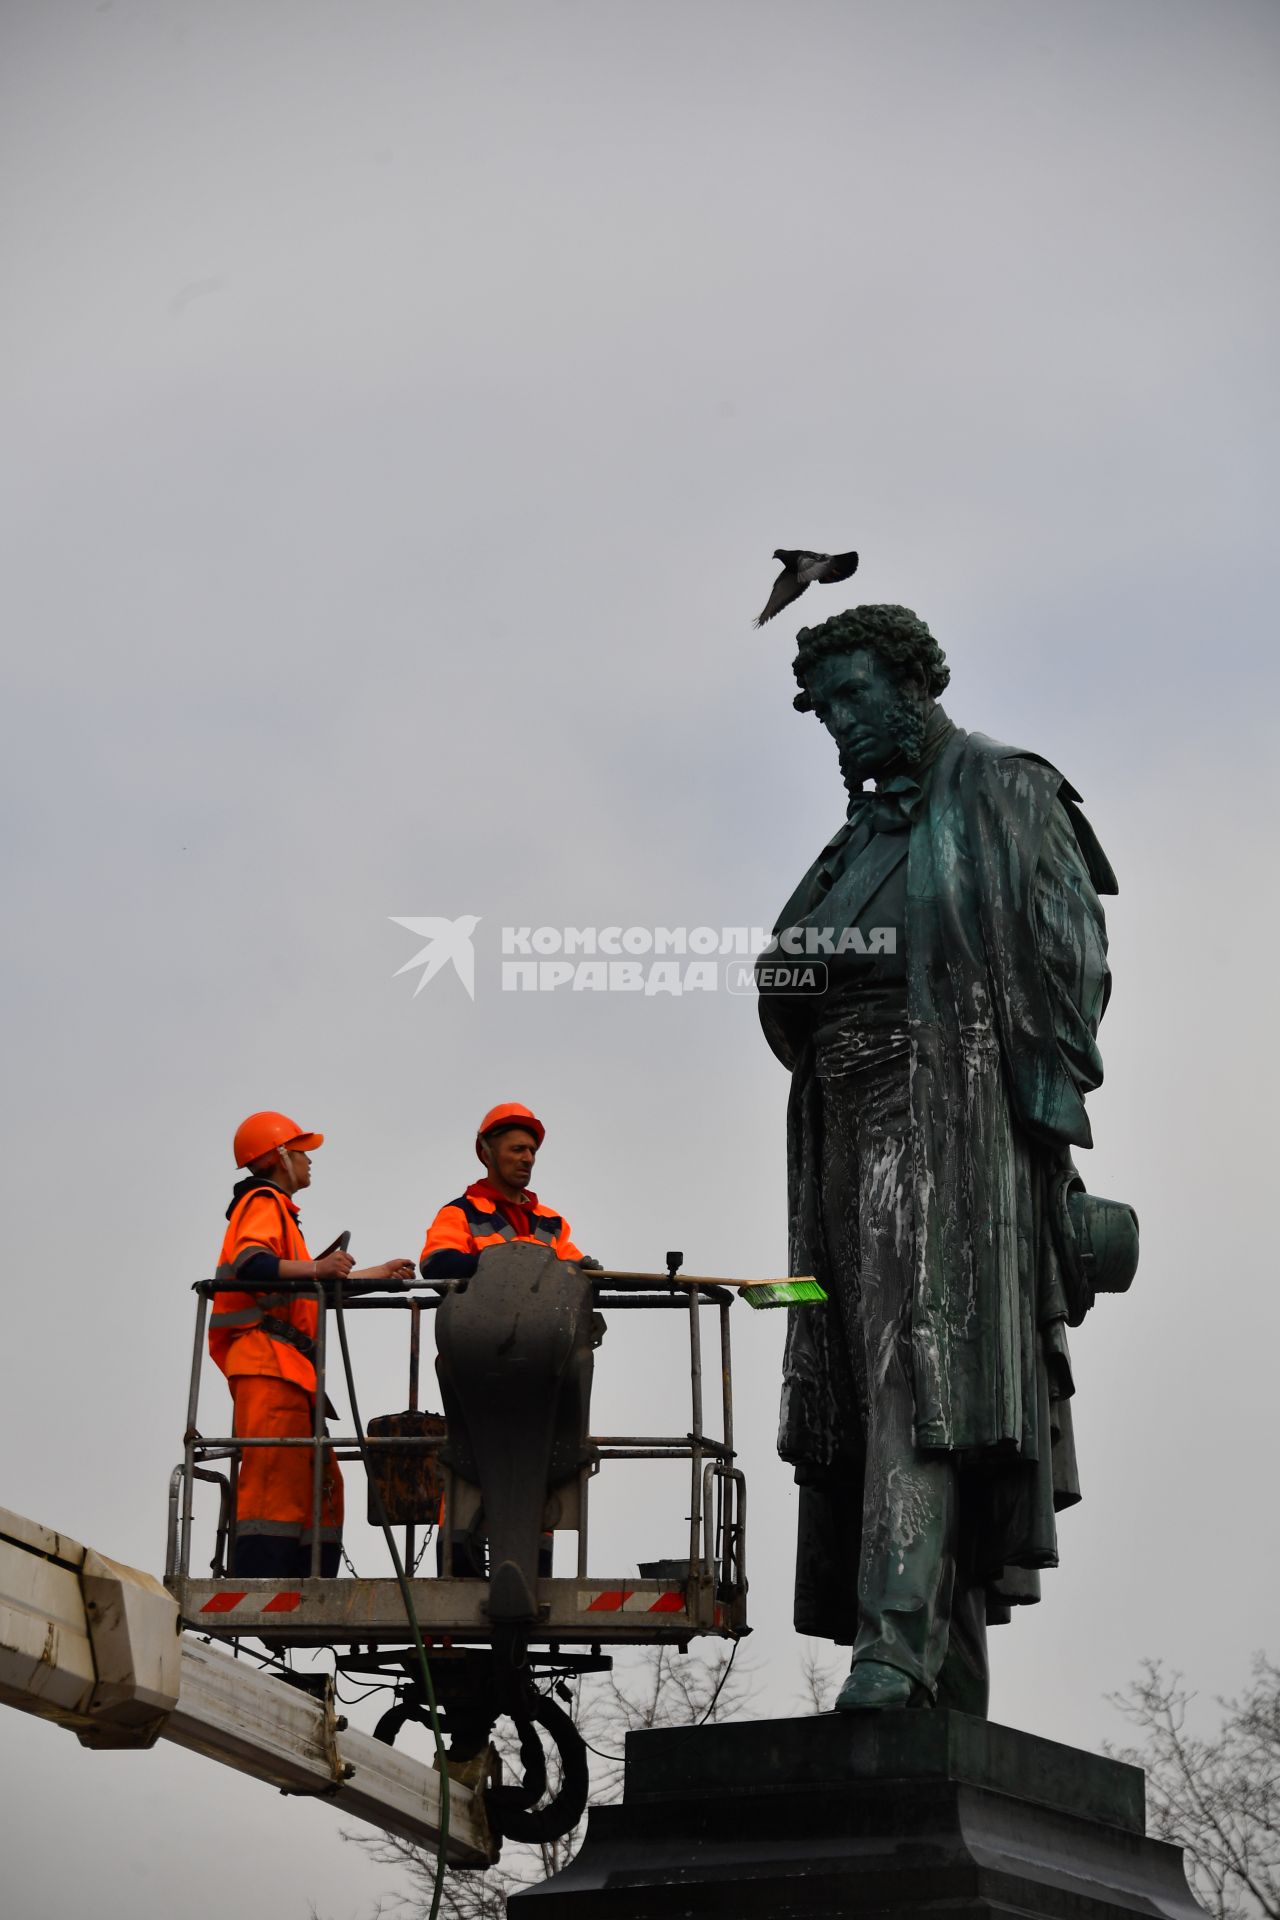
799, 570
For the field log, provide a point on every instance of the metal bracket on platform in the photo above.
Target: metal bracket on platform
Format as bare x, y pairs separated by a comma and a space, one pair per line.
332, 1725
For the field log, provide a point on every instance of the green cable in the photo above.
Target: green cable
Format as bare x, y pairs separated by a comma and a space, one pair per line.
407, 1597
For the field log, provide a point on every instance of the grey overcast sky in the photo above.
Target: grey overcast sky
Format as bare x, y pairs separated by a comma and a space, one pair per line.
401, 405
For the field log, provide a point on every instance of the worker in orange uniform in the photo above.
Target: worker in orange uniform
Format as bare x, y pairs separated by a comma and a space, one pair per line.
265, 1344
492, 1211
500, 1207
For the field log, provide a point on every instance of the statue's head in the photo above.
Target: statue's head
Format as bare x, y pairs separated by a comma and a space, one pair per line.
871, 675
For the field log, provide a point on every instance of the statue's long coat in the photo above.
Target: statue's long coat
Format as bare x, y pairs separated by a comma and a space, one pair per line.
1006, 982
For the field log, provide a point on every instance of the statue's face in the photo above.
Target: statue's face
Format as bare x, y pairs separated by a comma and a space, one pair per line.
862, 707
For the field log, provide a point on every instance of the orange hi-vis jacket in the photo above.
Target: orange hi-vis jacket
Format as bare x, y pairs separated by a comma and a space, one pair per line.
263, 1333
482, 1218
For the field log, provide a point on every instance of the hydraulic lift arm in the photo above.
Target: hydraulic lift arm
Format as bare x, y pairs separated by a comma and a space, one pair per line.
95, 1646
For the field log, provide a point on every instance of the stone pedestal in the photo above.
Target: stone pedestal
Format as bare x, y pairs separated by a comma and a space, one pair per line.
871, 1814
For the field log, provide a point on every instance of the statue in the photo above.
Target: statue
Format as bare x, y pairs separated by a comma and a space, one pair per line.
955, 960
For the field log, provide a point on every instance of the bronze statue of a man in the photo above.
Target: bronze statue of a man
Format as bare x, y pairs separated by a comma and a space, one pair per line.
938, 1074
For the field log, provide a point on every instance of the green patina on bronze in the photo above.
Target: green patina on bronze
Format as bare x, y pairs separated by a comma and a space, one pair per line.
938, 1088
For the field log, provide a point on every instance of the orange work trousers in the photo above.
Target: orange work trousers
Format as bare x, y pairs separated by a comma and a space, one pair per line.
274, 1520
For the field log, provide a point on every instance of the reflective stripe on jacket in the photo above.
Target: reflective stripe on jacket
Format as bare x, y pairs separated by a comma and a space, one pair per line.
476, 1220
263, 1333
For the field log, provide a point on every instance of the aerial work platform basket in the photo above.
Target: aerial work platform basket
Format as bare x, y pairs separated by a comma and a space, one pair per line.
476, 1463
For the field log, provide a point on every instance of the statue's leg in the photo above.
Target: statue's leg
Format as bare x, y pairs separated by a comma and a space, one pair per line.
829, 1533
907, 1570
964, 1683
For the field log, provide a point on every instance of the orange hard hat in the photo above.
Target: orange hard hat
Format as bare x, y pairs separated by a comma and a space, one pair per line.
509, 1114
261, 1132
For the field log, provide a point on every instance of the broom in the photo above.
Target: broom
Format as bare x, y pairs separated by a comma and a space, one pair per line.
800, 1290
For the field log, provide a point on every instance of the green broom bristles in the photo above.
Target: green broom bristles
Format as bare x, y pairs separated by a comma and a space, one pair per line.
785, 1293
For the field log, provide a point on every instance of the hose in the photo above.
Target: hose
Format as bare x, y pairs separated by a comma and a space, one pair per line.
406, 1595
509, 1807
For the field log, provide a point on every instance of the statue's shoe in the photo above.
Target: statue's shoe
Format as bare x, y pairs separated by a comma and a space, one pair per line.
872, 1684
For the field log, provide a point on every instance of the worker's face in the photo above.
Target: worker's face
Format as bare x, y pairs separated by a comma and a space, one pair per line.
511, 1158
298, 1165
871, 716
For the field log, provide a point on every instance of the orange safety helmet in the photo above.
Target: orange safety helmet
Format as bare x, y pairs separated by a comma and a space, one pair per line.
261, 1132
509, 1114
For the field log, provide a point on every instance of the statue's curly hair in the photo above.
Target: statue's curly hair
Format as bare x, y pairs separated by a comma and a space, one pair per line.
898, 635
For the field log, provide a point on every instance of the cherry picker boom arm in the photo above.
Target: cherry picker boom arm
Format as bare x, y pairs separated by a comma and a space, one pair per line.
96, 1647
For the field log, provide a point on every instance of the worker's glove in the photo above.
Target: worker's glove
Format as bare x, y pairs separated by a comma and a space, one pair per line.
588, 1265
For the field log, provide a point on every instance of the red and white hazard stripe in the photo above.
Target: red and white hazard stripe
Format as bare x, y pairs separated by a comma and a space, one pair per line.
228, 1600
630, 1600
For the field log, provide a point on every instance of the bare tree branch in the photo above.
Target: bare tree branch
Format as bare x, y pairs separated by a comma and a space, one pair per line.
661, 1689
1217, 1798
819, 1678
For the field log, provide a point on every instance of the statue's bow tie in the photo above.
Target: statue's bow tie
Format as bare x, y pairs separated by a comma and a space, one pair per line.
890, 808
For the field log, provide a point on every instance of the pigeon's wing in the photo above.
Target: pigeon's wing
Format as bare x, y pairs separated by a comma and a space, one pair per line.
786, 588
838, 566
